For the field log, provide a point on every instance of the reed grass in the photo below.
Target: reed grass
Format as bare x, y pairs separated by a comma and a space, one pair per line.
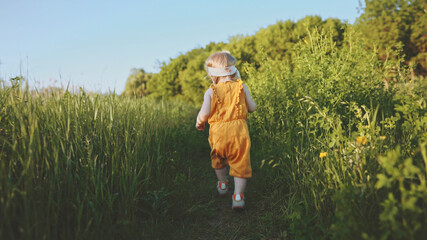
79, 166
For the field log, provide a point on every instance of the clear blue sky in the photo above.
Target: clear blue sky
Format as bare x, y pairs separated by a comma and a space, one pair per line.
93, 44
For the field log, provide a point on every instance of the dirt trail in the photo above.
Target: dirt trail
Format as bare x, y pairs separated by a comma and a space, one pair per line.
215, 218
210, 216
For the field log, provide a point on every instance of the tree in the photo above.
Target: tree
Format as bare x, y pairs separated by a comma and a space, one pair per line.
392, 24
136, 84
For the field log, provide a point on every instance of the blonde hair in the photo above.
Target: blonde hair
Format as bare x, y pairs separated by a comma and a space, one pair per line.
220, 60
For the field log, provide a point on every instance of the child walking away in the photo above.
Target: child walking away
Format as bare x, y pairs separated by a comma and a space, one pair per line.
226, 105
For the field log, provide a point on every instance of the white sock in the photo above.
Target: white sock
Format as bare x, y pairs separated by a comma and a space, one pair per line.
239, 185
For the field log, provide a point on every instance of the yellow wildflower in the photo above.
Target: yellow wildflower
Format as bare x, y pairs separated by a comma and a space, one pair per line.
362, 139
323, 154
382, 137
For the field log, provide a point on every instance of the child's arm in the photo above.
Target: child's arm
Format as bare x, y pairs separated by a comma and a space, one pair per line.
205, 111
249, 101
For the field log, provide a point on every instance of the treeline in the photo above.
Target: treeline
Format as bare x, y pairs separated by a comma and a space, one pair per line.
391, 28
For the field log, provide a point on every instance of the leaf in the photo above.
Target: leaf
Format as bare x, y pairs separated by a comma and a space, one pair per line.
409, 204
332, 143
382, 181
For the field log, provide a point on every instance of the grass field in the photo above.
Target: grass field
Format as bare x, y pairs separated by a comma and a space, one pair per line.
338, 152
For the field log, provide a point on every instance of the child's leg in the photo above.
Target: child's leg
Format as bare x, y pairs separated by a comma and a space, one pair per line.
239, 185
220, 174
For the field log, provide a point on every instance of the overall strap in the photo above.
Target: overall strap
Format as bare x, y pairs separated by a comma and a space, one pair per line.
238, 92
214, 93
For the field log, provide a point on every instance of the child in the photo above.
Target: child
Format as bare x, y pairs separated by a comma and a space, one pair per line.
226, 107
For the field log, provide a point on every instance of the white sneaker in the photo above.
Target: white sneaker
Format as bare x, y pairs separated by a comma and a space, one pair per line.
238, 202
222, 187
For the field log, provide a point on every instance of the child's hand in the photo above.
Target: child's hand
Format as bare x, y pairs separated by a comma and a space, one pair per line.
200, 126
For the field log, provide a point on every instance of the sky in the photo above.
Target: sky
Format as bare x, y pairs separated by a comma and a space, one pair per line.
94, 44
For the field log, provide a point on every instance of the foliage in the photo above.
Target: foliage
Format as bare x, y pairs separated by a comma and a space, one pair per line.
182, 77
404, 212
390, 27
328, 119
390, 23
136, 85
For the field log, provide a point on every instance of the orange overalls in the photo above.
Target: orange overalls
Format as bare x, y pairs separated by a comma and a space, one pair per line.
228, 132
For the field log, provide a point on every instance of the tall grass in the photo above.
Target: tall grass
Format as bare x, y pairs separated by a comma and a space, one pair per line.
334, 118
338, 149
74, 166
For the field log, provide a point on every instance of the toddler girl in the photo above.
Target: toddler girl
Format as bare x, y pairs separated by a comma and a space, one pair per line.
226, 107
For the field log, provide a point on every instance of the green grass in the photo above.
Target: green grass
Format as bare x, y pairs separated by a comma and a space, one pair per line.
78, 166
334, 101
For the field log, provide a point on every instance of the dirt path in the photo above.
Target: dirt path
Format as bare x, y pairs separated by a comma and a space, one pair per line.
215, 219
209, 216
